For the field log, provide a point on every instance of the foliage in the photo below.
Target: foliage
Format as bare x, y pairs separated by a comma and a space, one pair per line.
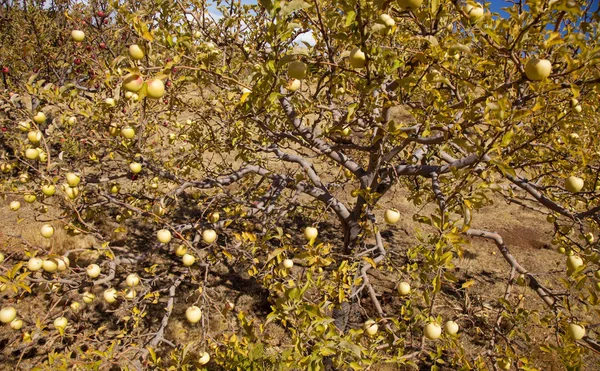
442, 112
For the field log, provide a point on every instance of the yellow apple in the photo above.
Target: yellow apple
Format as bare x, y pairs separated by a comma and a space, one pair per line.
110, 295
193, 314
475, 12
164, 236
47, 231
156, 89
50, 265
71, 192
311, 233
132, 83
15, 205
214, 217
297, 70
391, 216
370, 327
404, 288
288, 263
32, 153
578, 108
574, 184
88, 297
577, 332
188, 260
39, 118
432, 331
73, 179
294, 85
34, 136
204, 359
130, 294
127, 132
8, 314
574, 262
60, 322
16, 324
63, 263
135, 167
29, 198
132, 280
410, 4
77, 35
357, 58
93, 270
209, 235
181, 250
110, 102
135, 52
451, 327
538, 69
387, 20
34, 264
48, 189
72, 120
24, 126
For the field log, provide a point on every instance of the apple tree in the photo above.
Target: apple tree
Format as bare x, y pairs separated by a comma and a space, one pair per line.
189, 144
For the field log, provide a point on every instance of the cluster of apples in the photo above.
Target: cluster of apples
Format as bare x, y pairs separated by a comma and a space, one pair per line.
431, 331
209, 236
50, 264
133, 82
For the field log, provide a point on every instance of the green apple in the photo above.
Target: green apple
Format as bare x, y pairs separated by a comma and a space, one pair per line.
311, 233
47, 231
297, 70
8, 314
193, 314
451, 327
29, 198
209, 235
156, 89
357, 58
15, 205
132, 83
70, 192
577, 332
93, 270
391, 216
164, 236
34, 264
75, 306
432, 331
77, 35
538, 69
370, 327
72, 120
110, 102
135, 52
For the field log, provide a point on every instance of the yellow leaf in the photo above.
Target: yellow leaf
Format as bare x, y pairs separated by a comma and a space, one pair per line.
468, 284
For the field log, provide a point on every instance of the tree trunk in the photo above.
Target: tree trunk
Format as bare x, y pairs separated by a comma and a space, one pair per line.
351, 232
